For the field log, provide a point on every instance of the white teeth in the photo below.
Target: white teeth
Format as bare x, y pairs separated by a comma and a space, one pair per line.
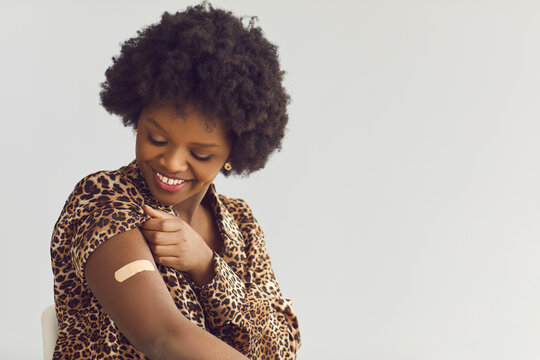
166, 180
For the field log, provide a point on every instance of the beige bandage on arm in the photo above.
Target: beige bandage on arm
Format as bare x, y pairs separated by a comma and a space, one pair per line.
134, 267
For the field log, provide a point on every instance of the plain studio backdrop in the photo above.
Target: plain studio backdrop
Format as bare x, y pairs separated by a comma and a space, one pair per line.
402, 214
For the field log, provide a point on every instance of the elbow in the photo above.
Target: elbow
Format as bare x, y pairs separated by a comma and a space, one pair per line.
170, 342
154, 347
153, 344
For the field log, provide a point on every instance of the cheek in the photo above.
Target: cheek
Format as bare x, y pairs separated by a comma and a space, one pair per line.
144, 151
206, 172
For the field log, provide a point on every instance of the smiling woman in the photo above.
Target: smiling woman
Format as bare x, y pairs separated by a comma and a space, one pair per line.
149, 260
180, 152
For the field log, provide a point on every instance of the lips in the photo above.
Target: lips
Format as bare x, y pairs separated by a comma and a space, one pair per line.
169, 184
169, 180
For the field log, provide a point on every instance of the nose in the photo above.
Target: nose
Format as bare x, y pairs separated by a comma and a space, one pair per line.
174, 161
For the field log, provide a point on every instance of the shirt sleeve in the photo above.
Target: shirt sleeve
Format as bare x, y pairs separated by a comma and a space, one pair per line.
102, 208
251, 315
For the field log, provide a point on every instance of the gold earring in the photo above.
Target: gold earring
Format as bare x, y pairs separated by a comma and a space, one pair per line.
227, 166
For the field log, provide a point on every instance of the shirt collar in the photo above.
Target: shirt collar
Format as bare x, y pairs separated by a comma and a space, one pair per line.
227, 224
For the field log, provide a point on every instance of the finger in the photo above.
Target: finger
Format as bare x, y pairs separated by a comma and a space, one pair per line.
151, 224
167, 225
150, 236
164, 250
166, 260
155, 213
160, 238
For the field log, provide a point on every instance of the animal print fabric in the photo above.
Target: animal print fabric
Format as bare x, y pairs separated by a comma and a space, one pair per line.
242, 305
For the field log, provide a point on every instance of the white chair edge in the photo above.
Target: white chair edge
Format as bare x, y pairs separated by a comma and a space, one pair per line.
49, 330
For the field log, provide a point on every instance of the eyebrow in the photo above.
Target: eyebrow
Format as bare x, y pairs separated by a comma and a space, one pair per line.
205, 145
155, 123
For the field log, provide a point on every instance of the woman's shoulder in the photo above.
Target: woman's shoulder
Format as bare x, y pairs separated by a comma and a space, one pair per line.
109, 180
231, 203
237, 208
106, 188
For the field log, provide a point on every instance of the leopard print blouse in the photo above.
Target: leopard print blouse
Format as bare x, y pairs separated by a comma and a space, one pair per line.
242, 305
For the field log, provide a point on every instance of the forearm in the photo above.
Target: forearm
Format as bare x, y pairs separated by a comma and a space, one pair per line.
191, 342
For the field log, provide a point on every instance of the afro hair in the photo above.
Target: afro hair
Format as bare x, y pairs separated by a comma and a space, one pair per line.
207, 57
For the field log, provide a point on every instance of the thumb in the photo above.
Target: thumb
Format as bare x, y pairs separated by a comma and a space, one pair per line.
155, 213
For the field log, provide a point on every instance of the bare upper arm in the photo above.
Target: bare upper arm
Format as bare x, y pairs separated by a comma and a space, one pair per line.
141, 305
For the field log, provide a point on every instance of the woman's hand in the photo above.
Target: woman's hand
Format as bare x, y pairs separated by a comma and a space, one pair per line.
174, 243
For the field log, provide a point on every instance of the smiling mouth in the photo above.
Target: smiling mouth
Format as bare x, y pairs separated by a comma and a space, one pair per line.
170, 181
169, 184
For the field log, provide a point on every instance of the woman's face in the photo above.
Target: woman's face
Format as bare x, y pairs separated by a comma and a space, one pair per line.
179, 156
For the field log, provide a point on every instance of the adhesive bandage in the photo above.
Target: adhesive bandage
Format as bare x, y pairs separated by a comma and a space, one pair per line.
128, 270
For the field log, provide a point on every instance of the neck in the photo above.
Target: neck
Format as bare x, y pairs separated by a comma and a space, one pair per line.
188, 208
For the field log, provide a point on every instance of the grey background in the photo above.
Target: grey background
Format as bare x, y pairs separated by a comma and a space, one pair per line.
402, 214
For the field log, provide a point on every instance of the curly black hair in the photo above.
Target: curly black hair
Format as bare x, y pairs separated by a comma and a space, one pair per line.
207, 57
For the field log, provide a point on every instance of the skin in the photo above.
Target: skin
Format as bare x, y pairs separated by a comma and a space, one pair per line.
181, 146
141, 306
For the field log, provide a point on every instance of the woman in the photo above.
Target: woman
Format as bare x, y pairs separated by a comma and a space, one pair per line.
149, 260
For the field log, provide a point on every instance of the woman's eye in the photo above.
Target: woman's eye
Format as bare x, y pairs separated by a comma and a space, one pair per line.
199, 157
156, 142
